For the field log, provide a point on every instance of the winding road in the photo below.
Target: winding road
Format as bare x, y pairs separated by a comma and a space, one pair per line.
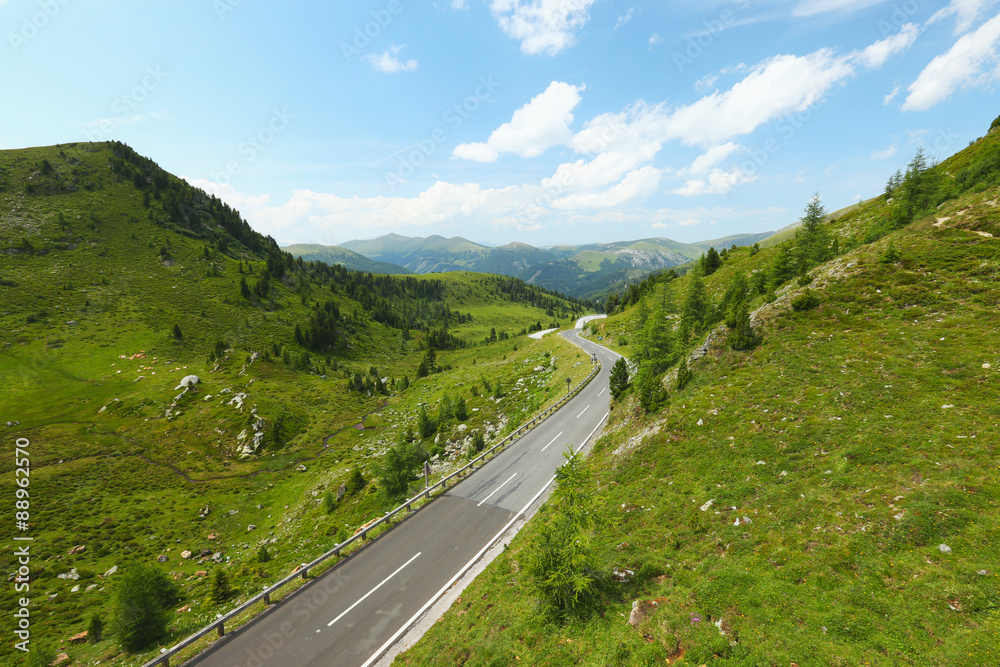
354, 614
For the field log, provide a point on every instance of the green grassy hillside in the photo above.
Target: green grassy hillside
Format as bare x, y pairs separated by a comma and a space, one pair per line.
117, 281
827, 496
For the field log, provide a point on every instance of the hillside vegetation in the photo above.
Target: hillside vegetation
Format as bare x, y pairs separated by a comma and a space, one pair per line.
804, 469
118, 283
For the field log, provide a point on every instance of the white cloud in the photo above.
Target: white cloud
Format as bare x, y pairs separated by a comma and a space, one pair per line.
962, 65
885, 154
719, 182
654, 39
774, 88
813, 7
891, 96
534, 128
712, 157
458, 4
666, 217
388, 62
637, 186
965, 12
879, 53
542, 26
602, 171
622, 20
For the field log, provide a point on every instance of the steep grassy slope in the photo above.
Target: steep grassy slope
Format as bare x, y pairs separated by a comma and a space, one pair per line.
828, 498
116, 281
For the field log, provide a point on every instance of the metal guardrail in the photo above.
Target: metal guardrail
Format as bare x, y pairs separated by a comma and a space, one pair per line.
219, 625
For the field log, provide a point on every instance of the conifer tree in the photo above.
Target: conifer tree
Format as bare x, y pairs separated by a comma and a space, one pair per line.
619, 381
220, 590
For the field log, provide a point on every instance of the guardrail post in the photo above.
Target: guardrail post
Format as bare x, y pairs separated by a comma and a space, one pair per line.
222, 629
305, 573
267, 598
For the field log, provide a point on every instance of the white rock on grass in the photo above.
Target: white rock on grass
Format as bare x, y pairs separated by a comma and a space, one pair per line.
188, 381
944, 548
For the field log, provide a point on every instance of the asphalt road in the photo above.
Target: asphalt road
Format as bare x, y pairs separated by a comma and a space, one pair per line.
352, 614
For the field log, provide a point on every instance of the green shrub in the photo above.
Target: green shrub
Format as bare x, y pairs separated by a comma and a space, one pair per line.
806, 301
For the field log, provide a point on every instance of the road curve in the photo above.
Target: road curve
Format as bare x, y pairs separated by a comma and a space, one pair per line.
352, 614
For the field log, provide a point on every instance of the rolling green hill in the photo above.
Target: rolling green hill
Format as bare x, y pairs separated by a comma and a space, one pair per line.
117, 282
347, 258
822, 488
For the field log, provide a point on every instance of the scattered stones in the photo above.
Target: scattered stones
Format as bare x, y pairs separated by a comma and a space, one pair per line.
79, 639
251, 527
622, 576
72, 574
947, 407
113, 570
300, 468
90, 588
213, 536
162, 559
183, 609
76, 550
341, 492
75, 589
704, 508
701, 422
987, 366
944, 548
186, 554
205, 511
201, 573
60, 659
205, 553
232, 512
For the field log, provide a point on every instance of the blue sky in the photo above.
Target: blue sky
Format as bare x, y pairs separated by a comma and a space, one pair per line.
540, 121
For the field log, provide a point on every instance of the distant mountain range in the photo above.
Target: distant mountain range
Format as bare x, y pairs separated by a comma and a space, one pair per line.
586, 271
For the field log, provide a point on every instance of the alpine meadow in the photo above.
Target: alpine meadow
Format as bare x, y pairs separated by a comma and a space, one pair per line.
483, 333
